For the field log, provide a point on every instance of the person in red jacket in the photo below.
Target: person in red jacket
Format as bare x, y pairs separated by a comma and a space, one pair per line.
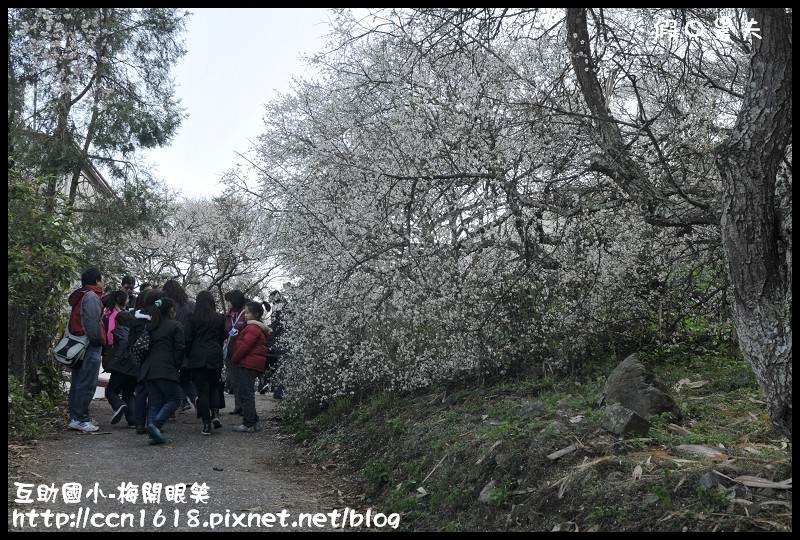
250, 356
84, 319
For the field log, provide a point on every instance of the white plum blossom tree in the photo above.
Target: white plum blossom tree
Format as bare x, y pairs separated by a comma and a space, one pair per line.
437, 206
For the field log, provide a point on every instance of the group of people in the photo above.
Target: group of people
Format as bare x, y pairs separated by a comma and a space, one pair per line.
189, 343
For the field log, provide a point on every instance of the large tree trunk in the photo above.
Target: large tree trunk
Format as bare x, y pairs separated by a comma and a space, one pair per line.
755, 234
760, 259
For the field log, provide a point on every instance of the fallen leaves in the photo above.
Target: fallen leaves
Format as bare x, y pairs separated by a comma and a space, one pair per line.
758, 482
677, 430
707, 452
690, 384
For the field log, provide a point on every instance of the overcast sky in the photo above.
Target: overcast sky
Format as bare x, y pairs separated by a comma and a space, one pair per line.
237, 60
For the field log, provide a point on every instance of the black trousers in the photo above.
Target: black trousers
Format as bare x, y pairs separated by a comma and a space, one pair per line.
209, 391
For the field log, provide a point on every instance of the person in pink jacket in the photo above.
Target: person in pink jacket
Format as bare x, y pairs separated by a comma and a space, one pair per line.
250, 356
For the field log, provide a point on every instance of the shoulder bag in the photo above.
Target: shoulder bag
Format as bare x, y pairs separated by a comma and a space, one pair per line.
71, 349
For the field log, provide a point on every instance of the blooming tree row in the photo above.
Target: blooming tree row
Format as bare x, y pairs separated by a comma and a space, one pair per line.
473, 191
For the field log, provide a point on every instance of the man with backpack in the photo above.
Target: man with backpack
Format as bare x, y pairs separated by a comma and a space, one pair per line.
84, 319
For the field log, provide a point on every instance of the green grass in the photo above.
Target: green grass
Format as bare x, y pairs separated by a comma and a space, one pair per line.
452, 449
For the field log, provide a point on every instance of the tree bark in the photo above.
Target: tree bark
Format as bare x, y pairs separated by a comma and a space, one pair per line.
760, 266
759, 256
18, 344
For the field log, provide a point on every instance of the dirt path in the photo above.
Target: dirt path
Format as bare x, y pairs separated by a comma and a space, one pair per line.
250, 477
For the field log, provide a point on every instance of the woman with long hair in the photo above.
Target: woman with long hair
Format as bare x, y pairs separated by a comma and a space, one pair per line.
183, 308
205, 333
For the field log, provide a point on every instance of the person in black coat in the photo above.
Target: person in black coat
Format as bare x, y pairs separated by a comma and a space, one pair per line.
124, 372
205, 333
160, 369
183, 308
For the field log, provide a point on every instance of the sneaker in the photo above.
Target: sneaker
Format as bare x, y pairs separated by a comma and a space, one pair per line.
87, 427
173, 417
152, 441
263, 389
257, 427
216, 422
74, 424
118, 414
147, 430
236, 411
206, 429
155, 433
241, 428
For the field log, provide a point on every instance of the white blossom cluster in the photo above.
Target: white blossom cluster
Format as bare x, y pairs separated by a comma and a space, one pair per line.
439, 205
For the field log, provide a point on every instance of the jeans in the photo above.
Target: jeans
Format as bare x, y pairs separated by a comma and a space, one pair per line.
121, 383
235, 372
163, 399
273, 363
84, 383
246, 395
188, 386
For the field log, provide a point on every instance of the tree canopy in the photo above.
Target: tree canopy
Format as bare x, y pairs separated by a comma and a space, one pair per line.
484, 190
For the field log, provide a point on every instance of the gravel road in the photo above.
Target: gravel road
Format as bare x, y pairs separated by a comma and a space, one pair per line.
229, 481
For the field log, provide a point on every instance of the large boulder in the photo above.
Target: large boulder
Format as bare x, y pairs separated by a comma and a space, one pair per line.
635, 387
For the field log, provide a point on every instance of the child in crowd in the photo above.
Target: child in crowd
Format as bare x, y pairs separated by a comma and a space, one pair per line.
124, 371
160, 369
249, 357
113, 303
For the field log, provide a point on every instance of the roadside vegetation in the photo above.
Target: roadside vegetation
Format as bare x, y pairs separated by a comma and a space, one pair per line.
473, 456
33, 415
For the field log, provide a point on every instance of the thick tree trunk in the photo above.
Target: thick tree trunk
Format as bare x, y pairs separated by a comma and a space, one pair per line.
760, 266
755, 233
